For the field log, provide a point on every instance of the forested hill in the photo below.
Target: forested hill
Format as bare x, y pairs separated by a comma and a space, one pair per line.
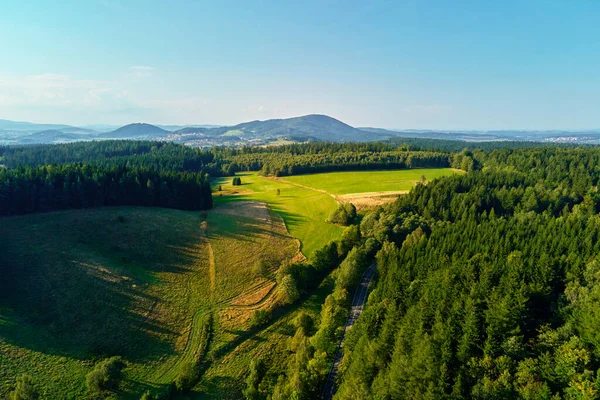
488, 285
135, 130
307, 127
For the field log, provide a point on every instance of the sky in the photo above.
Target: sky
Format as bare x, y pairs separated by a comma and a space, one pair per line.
477, 65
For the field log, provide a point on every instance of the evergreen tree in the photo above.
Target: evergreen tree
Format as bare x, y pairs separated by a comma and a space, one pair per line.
24, 389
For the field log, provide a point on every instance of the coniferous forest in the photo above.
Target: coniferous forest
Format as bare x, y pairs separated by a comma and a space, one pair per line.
494, 291
57, 187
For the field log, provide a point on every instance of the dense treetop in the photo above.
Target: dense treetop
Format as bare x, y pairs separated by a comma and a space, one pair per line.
487, 284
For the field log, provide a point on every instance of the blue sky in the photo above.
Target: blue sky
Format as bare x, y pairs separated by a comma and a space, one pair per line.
394, 64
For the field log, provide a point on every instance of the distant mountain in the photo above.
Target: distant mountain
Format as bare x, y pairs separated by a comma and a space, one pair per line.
135, 130
308, 127
52, 136
28, 126
174, 128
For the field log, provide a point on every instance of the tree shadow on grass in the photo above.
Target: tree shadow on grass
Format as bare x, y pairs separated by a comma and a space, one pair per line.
78, 314
80, 295
276, 206
278, 314
212, 388
247, 228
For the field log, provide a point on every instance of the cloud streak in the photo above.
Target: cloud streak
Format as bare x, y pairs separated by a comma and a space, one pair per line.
59, 97
59, 90
142, 71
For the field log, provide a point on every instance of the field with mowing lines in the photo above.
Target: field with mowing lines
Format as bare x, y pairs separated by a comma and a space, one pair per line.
152, 285
341, 183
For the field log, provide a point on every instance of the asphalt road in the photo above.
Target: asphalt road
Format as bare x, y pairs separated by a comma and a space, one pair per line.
358, 304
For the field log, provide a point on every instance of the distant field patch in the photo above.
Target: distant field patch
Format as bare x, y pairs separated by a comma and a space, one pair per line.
340, 183
369, 199
234, 132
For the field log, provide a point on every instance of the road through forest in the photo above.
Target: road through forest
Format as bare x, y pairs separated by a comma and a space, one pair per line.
358, 303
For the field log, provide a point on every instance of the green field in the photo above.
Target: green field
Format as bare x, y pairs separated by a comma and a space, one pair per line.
303, 210
129, 281
305, 201
340, 183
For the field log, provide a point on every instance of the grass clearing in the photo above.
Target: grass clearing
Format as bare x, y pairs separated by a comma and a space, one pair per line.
347, 182
130, 281
305, 201
303, 210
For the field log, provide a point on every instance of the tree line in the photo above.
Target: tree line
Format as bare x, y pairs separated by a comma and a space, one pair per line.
220, 161
108, 153
288, 164
57, 187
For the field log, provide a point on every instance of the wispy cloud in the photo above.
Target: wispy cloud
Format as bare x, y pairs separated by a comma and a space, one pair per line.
54, 96
55, 90
141, 71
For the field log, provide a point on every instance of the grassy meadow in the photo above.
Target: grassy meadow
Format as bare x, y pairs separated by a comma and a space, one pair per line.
303, 210
131, 281
347, 182
305, 201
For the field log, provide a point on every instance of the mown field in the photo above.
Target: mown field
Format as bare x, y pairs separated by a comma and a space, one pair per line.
340, 183
129, 281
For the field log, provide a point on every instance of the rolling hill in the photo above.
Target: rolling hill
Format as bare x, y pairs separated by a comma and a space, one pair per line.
308, 127
135, 130
53, 135
28, 126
